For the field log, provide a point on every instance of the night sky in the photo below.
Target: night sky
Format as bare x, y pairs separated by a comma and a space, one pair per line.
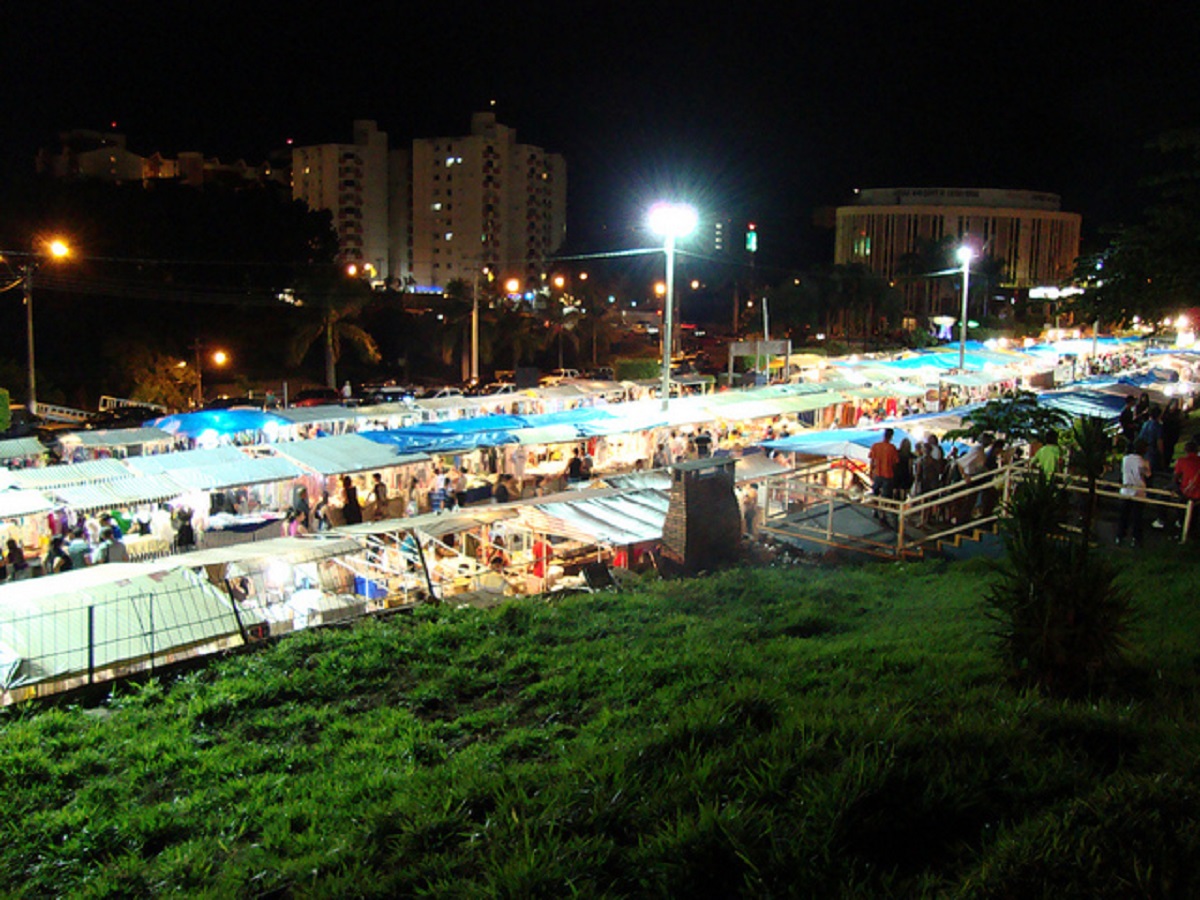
758, 110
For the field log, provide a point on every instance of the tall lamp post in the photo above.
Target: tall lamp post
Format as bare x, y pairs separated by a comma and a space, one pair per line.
219, 358
672, 221
52, 249
964, 257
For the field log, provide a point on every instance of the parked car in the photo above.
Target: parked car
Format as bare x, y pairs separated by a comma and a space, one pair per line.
437, 393
389, 393
554, 376
317, 397
124, 417
232, 403
497, 388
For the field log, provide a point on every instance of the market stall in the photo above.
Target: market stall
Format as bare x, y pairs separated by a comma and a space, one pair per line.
22, 453
79, 446
287, 582
231, 497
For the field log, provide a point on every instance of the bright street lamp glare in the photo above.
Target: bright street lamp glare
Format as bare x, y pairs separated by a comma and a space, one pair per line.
672, 219
220, 357
59, 249
965, 254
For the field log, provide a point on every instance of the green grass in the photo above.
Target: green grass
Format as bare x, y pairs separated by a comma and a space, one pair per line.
768, 732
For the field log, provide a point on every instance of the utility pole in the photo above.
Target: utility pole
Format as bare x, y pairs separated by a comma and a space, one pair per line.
27, 270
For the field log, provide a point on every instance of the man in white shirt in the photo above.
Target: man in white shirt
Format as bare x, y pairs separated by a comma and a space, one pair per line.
1135, 472
971, 464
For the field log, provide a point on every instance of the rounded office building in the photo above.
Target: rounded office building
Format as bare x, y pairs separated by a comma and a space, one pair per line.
1023, 237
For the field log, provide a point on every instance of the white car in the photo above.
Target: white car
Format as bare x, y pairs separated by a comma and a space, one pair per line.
554, 376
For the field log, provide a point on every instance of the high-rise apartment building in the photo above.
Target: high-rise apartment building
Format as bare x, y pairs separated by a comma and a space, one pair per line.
352, 182
483, 200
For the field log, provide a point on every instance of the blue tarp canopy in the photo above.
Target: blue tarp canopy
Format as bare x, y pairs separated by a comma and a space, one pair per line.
1084, 403
853, 443
222, 422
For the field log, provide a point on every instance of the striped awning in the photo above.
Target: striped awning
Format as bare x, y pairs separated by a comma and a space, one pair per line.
73, 473
117, 493
15, 502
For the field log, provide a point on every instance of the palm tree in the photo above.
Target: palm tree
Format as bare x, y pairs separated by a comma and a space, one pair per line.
455, 316
560, 327
330, 302
1091, 451
598, 327
517, 332
925, 263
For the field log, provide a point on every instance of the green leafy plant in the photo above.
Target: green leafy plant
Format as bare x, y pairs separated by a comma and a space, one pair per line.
1017, 416
1090, 455
1062, 618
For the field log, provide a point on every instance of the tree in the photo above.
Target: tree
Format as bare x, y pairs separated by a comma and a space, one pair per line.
517, 332
1151, 267
559, 326
597, 328
148, 375
329, 302
1017, 417
925, 265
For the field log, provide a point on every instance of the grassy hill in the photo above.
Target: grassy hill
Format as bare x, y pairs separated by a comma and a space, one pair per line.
763, 732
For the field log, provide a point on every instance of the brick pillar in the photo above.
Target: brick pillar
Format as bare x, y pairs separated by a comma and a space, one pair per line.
703, 528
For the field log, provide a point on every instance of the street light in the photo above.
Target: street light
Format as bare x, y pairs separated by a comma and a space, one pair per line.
672, 221
964, 256
55, 249
218, 357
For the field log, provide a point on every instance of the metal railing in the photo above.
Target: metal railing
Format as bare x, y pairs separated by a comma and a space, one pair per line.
107, 404
817, 504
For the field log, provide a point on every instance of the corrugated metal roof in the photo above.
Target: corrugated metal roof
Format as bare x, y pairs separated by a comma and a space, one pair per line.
628, 517
215, 469
185, 459
115, 437
344, 453
20, 448
292, 549
74, 473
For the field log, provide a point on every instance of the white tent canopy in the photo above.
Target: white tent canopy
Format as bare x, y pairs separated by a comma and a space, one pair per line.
129, 611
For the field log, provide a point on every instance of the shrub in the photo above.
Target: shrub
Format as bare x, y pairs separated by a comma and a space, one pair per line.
637, 369
1062, 616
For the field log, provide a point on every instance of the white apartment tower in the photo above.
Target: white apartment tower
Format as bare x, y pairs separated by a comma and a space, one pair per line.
351, 181
481, 200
